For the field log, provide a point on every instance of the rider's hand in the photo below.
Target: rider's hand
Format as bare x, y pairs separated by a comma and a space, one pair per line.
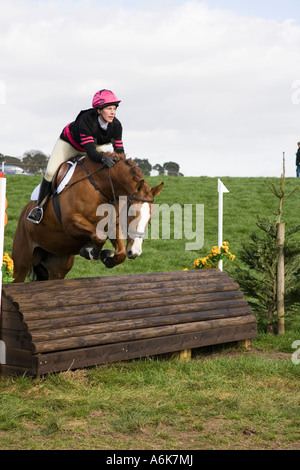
109, 162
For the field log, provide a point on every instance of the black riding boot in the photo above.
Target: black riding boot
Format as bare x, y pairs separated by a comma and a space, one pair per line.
37, 212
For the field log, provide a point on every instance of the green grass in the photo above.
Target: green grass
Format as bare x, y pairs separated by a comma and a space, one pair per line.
225, 398
248, 198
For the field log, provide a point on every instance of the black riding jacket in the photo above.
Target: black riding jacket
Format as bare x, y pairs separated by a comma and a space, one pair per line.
85, 133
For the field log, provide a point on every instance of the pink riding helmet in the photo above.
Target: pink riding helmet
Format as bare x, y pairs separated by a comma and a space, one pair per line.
105, 98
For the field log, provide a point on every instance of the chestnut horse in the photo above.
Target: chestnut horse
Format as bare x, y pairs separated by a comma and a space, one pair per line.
49, 248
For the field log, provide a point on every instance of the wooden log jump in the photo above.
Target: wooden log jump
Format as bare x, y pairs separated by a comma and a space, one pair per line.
53, 326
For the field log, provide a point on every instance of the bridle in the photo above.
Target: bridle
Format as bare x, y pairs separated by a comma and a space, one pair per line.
112, 200
135, 232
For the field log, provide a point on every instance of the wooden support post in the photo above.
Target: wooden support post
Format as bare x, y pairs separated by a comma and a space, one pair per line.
280, 278
245, 344
184, 355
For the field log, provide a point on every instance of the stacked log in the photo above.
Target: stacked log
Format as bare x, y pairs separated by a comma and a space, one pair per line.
57, 325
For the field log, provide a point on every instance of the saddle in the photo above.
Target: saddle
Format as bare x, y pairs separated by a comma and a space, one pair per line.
62, 171
62, 177
60, 180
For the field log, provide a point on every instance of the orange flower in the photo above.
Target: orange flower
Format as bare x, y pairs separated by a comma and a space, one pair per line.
215, 255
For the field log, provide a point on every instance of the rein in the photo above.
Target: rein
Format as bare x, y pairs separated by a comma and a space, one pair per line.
113, 201
89, 176
132, 197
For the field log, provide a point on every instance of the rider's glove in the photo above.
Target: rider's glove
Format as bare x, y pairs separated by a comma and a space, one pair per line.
109, 162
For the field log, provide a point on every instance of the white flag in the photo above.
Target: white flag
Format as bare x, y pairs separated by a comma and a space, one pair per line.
221, 187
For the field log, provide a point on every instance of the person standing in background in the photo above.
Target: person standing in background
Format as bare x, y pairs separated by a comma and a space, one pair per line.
298, 161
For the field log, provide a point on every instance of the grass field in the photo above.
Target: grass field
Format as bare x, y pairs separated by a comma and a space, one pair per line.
247, 199
225, 398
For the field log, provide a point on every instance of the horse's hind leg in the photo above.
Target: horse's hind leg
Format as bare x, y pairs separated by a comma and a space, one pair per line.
58, 266
22, 258
21, 269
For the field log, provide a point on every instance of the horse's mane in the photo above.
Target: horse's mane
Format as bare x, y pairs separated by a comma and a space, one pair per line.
135, 171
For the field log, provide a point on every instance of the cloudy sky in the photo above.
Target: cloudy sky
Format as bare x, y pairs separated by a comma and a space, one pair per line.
212, 85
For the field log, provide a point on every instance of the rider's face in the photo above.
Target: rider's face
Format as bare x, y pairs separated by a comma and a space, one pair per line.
108, 113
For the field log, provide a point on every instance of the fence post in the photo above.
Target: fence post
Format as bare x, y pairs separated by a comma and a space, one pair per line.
280, 278
221, 189
2, 224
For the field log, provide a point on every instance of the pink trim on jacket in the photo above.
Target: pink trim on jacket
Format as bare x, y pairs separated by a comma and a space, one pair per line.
86, 139
68, 134
118, 143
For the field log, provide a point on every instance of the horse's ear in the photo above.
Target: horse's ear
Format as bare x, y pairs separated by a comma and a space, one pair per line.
139, 185
157, 189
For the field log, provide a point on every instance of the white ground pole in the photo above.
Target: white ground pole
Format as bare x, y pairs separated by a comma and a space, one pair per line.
221, 189
2, 216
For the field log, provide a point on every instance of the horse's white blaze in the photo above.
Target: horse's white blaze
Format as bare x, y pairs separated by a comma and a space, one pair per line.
136, 248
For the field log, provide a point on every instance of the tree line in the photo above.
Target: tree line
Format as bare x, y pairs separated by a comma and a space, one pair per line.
35, 161
169, 168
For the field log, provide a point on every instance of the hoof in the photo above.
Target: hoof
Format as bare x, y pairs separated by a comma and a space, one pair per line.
85, 252
90, 252
95, 253
106, 257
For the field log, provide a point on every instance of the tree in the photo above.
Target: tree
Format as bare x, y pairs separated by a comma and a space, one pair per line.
258, 279
34, 161
159, 168
10, 160
172, 168
272, 276
144, 165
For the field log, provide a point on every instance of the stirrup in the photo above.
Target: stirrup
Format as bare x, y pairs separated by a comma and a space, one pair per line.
35, 215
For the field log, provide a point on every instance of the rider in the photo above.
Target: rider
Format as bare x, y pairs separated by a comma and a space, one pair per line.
92, 128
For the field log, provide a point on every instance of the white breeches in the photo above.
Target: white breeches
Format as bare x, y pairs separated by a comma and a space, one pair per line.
62, 152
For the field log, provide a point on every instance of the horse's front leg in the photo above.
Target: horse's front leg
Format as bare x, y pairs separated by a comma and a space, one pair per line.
79, 227
110, 258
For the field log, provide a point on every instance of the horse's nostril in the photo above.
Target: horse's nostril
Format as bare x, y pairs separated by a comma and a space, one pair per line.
131, 254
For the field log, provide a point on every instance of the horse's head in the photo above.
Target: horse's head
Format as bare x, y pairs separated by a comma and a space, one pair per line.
139, 215
134, 198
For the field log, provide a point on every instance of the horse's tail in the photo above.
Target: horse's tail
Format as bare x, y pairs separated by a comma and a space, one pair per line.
39, 273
